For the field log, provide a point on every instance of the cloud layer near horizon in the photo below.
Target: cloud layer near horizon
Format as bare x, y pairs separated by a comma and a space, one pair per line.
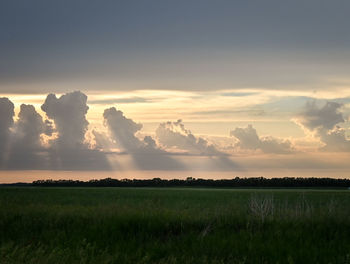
60, 140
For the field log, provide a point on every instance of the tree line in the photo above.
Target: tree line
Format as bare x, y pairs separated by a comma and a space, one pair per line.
258, 182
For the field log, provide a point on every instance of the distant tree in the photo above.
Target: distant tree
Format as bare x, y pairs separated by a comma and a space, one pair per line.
236, 182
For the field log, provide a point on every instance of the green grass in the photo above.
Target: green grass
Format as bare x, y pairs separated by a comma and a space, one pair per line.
150, 225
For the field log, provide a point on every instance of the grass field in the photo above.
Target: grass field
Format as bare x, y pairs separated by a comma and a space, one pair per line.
126, 225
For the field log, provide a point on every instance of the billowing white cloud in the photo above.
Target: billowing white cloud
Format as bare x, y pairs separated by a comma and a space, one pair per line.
248, 139
146, 154
69, 150
322, 123
29, 127
21, 141
68, 146
123, 130
69, 115
26, 150
175, 135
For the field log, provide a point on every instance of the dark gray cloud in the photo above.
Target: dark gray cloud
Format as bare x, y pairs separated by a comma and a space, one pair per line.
322, 122
174, 134
326, 117
45, 41
249, 139
335, 140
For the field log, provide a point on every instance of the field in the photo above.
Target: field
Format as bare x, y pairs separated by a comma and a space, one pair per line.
150, 225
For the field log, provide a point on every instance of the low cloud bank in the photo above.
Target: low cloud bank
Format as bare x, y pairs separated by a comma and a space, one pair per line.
59, 141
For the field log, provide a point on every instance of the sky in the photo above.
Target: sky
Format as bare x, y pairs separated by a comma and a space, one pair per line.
174, 89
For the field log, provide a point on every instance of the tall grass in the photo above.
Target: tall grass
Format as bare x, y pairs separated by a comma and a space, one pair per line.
111, 225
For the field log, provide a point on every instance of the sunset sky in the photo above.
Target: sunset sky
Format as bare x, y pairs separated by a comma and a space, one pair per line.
172, 89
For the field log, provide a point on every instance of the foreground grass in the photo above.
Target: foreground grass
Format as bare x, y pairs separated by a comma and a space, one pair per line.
125, 225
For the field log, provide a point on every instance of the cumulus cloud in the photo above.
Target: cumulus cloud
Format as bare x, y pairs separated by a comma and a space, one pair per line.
335, 140
146, 154
248, 139
122, 129
175, 135
26, 150
6, 118
20, 141
29, 127
6, 122
69, 150
69, 115
322, 122
320, 118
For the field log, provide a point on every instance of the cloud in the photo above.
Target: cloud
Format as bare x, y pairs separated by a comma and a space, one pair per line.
322, 123
335, 140
122, 129
249, 140
70, 149
6, 122
20, 141
26, 150
29, 127
315, 118
146, 154
61, 141
6, 118
175, 135
69, 115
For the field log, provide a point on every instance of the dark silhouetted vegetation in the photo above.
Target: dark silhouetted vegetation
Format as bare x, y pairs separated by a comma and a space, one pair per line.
259, 182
